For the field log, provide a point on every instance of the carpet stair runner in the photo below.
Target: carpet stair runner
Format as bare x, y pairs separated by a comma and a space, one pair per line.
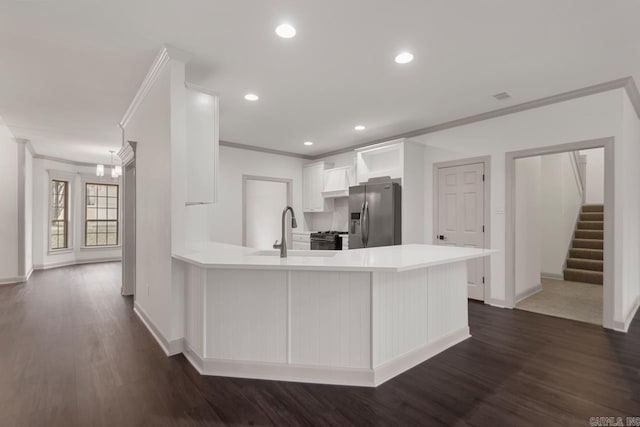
585, 262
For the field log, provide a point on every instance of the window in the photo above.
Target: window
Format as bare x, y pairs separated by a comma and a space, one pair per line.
59, 215
101, 215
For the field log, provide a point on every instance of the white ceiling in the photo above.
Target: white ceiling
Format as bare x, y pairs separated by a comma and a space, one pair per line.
69, 68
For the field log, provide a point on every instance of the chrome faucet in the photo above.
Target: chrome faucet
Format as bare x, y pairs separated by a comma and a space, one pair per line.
283, 241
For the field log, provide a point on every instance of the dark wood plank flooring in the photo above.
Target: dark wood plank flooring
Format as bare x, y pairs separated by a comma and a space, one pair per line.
72, 352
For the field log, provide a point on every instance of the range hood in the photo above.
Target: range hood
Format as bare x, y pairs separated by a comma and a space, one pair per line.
337, 182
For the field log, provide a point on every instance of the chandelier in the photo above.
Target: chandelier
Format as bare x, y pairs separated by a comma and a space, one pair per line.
116, 170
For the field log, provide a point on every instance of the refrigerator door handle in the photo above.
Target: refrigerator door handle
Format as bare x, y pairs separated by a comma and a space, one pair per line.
365, 224
362, 225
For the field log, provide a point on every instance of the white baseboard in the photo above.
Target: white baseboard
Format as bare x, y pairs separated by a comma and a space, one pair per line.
526, 294
552, 276
16, 279
403, 363
494, 302
363, 377
12, 280
624, 326
74, 262
279, 371
170, 348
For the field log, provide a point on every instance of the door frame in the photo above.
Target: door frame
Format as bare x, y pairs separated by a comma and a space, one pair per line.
128, 235
486, 242
246, 178
609, 208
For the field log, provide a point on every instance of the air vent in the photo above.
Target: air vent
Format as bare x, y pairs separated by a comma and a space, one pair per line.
502, 96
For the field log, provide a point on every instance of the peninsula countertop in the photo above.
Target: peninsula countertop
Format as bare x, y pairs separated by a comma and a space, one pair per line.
380, 259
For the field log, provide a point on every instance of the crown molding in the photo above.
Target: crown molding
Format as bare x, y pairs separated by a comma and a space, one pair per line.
128, 152
166, 54
35, 155
633, 94
626, 83
27, 145
60, 160
30, 147
202, 89
264, 150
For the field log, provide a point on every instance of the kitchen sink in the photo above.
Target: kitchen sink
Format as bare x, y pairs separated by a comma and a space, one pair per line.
296, 253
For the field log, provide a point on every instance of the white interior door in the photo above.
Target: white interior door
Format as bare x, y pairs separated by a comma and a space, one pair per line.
264, 201
461, 216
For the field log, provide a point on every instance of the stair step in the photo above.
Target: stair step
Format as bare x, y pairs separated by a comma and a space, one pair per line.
592, 216
593, 208
588, 243
586, 253
585, 264
585, 276
589, 234
590, 225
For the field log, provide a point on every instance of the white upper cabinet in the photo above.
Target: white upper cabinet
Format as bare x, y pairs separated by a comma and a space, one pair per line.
202, 147
386, 159
313, 186
337, 181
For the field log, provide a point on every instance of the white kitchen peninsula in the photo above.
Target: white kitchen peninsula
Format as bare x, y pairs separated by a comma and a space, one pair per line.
357, 317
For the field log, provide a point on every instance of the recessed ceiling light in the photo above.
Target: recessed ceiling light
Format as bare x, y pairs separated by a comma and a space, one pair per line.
251, 97
286, 31
404, 58
359, 127
308, 143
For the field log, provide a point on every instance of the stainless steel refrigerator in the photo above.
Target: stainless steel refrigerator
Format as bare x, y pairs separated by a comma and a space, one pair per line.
375, 215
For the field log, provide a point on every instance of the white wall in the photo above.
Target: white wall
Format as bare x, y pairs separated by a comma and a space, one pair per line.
594, 176
413, 194
9, 208
527, 215
630, 209
150, 128
224, 219
597, 116
560, 205
43, 170
163, 221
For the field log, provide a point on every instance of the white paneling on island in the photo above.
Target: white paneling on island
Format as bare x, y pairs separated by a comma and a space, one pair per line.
357, 317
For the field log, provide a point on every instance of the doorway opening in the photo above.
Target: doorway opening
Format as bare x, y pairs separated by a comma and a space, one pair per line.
129, 219
559, 233
461, 214
263, 199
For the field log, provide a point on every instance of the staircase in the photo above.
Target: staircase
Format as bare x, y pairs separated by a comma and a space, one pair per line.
586, 254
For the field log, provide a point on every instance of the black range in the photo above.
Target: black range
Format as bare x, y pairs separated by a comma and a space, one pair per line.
327, 240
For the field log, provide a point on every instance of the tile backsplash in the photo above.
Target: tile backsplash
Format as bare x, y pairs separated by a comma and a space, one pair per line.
337, 220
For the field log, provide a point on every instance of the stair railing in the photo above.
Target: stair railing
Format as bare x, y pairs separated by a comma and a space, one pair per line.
578, 174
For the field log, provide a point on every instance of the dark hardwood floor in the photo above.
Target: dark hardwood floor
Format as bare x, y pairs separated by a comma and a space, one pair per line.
72, 352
